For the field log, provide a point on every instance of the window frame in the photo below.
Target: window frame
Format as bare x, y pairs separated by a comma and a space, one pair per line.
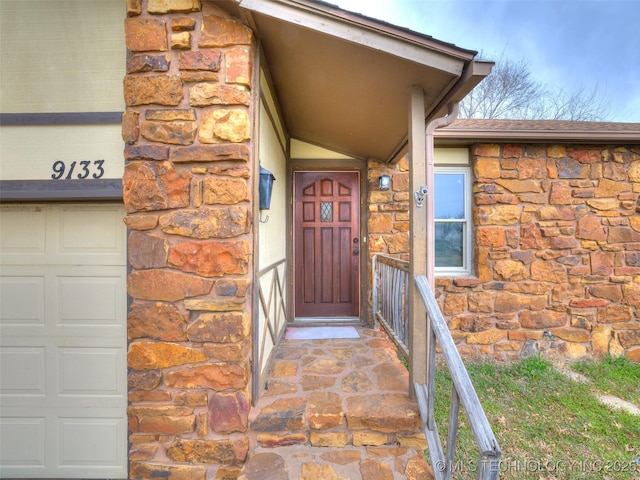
467, 226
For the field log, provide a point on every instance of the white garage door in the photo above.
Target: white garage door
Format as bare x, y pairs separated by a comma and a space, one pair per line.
63, 341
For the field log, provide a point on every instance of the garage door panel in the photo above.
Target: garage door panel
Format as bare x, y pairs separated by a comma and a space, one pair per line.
23, 371
22, 441
90, 296
91, 441
22, 234
22, 297
87, 237
91, 372
63, 347
63, 444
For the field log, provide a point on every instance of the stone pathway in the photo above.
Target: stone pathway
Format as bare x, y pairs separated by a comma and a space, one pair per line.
337, 409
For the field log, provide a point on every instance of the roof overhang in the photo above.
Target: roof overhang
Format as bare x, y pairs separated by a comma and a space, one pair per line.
469, 131
342, 80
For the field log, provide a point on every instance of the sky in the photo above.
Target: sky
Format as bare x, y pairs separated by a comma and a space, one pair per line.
568, 44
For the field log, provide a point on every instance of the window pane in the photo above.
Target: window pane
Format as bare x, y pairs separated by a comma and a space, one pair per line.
449, 244
449, 195
326, 211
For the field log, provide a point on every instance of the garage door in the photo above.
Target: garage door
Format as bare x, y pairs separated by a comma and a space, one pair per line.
63, 341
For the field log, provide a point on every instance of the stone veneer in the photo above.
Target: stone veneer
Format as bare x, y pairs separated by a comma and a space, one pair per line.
187, 194
556, 250
556, 234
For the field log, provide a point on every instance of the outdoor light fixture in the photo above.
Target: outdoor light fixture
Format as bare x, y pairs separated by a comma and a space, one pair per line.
384, 182
265, 190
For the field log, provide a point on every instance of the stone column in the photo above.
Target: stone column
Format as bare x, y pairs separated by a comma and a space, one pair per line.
187, 194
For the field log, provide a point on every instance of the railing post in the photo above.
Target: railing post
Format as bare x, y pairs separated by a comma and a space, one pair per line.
418, 244
463, 395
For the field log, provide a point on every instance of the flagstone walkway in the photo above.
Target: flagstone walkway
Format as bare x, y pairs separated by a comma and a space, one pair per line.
337, 409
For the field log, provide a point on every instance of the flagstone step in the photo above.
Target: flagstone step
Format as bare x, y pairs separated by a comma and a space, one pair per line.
326, 419
335, 393
349, 463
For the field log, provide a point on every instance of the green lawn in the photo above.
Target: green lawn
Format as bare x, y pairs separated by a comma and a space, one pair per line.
613, 377
549, 426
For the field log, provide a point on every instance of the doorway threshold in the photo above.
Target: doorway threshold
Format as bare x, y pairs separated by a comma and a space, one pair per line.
325, 321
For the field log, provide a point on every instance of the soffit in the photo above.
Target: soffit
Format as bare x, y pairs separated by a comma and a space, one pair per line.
342, 80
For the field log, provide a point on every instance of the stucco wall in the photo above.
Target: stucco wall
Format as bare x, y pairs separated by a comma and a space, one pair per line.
557, 250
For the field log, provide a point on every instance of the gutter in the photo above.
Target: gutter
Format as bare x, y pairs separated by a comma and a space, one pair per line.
474, 135
430, 178
473, 72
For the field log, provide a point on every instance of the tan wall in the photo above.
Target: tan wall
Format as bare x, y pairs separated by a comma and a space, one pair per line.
36, 77
272, 228
188, 193
33, 152
557, 257
273, 241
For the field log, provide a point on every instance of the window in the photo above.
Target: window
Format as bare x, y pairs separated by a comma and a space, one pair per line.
452, 220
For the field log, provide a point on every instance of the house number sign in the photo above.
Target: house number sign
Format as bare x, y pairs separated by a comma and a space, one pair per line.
80, 170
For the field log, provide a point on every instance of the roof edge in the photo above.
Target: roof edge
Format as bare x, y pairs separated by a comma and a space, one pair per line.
388, 28
538, 131
330, 11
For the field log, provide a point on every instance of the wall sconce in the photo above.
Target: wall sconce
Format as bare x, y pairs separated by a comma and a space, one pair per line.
384, 182
265, 188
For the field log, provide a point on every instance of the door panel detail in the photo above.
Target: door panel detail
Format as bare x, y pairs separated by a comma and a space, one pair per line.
326, 222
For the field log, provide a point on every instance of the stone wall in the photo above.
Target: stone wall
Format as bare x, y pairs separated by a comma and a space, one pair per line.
187, 194
557, 250
388, 211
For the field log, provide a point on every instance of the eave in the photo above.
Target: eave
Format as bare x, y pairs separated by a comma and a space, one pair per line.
342, 80
469, 131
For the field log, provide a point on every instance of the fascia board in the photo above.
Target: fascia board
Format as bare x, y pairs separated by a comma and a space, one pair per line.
538, 136
377, 39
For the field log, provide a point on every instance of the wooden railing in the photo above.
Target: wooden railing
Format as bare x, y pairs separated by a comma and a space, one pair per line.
272, 320
390, 290
389, 299
463, 393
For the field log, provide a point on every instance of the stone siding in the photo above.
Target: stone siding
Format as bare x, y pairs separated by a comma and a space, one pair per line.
187, 194
556, 250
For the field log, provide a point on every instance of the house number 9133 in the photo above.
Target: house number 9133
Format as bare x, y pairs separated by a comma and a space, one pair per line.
81, 170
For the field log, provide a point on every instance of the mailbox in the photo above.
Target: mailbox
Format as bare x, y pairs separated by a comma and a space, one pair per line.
265, 188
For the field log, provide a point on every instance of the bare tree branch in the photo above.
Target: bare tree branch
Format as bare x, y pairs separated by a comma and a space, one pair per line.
510, 92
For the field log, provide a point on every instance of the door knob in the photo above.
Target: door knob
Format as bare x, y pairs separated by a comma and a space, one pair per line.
356, 251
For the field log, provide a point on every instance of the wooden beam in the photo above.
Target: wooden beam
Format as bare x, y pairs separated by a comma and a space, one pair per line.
418, 243
62, 118
60, 190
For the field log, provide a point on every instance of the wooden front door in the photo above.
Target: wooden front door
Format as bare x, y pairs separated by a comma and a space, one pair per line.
326, 244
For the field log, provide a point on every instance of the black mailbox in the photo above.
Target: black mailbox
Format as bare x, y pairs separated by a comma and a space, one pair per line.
265, 188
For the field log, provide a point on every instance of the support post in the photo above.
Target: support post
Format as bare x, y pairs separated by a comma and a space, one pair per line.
418, 243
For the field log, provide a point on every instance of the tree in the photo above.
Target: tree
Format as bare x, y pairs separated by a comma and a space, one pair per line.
511, 92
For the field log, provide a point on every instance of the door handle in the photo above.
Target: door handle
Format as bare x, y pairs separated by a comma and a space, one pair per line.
356, 251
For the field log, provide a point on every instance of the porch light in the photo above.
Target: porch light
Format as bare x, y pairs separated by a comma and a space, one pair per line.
384, 182
265, 188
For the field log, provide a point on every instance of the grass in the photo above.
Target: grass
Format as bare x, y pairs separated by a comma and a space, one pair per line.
548, 426
613, 376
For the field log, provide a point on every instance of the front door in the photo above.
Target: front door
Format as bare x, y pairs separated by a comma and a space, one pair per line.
326, 244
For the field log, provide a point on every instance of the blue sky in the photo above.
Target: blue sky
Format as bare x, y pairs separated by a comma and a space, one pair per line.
570, 44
